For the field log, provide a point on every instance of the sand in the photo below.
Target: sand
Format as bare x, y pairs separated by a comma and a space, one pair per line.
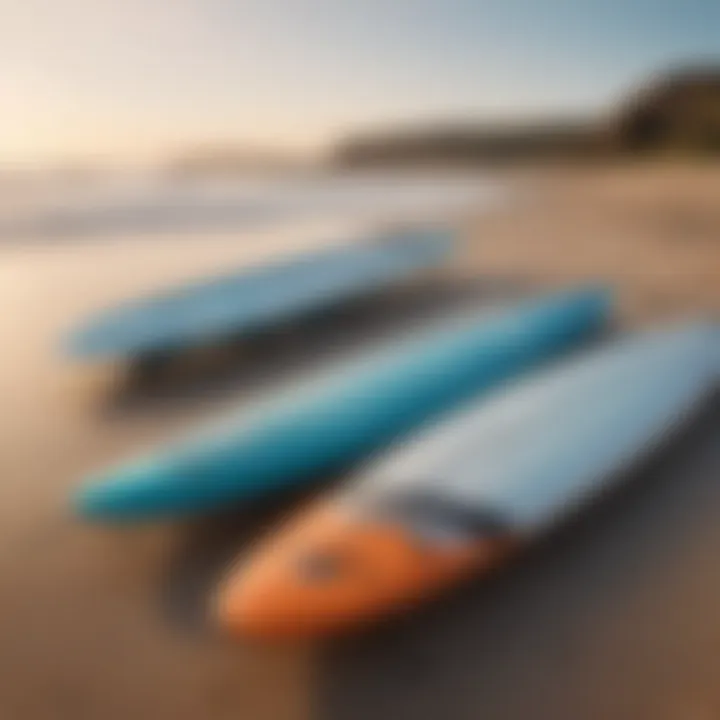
618, 618
650, 230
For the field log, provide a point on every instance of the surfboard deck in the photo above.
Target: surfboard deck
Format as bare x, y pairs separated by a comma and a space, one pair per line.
462, 494
251, 299
334, 419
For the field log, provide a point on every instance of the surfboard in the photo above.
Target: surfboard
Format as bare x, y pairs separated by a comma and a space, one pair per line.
252, 299
338, 417
461, 495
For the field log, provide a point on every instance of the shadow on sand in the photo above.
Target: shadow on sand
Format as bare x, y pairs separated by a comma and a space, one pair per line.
208, 374
210, 545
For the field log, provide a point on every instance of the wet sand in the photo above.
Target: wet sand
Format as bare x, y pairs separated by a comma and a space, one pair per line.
616, 616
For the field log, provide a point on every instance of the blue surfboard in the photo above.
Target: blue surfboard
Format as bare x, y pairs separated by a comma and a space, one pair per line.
259, 297
327, 425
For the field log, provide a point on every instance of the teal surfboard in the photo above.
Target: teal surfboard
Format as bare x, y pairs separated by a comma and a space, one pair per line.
257, 298
340, 418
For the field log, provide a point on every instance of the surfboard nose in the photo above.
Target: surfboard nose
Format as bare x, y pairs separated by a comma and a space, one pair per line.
333, 573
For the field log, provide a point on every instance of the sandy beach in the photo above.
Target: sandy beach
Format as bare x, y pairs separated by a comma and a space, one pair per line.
650, 229
616, 618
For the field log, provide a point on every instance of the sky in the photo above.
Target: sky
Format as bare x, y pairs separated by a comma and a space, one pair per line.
147, 78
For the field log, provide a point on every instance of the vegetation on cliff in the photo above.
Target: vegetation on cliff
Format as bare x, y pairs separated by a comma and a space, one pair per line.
678, 112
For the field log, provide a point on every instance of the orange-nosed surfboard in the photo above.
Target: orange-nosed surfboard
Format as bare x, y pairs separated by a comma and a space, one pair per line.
461, 495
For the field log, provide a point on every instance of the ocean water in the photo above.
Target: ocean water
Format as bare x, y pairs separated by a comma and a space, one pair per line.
81, 208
